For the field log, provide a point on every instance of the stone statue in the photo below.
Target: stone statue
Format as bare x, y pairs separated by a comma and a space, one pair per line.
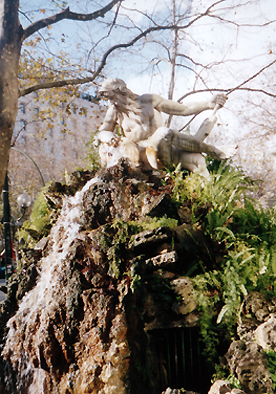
146, 142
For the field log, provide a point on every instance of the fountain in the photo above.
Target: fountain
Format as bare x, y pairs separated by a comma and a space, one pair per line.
107, 309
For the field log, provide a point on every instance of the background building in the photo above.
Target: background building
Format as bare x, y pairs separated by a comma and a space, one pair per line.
54, 133
55, 136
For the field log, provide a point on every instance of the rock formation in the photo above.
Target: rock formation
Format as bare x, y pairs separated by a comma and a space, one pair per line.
79, 314
246, 357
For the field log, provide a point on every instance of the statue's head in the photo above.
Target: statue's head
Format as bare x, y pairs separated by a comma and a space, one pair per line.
114, 84
116, 91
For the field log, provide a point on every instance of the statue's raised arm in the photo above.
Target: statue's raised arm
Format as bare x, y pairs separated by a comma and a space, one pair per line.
171, 107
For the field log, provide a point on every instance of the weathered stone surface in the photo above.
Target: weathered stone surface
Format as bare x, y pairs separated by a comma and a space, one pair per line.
246, 357
117, 196
184, 288
76, 330
220, 387
265, 334
176, 391
223, 387
247, 360
185, 214
156, 204
97, 205
256, 305
41, 245
80, 309
148, 240
19, 285
163, 261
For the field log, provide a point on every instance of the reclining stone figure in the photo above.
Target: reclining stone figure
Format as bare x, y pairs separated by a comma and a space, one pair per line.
146, 142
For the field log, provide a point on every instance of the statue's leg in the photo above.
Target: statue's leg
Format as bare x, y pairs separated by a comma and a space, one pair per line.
194, 162
158, 147
143, 159
130, 150
188, 143
161, 145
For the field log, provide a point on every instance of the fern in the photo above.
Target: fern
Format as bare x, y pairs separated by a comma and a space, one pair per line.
39, 223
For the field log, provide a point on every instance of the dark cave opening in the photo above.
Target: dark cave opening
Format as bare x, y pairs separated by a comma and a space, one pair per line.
180, 353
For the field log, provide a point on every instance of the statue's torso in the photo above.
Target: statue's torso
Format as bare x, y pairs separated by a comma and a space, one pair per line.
141, 126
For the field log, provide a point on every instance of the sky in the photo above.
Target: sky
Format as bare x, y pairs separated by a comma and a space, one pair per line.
208, 41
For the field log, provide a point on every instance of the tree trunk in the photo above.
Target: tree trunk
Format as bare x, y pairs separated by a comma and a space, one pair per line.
10, 45
173, 62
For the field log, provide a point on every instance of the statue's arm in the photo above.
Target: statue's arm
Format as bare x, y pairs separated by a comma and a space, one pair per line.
110, 120
173, 108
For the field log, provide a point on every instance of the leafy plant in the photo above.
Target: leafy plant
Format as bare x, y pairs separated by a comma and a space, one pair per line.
39, 223
92, 155
245, 233
213, 200
271, 364
148, 223
222, 372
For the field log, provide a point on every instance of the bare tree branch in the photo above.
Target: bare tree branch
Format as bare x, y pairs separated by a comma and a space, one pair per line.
67, 14
55, 84
78, 81
252, 77
108, 33
227, 91
238, 87
241, 24
188, 123
47, 85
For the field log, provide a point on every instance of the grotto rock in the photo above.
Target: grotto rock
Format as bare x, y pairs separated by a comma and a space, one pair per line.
123, 194
148, 240
220, 387
54, 195
254, 312
256, 305
185, 214
248, 362
184, 288
97, 205
163, 261
78, 314
156, 204
41, 245
223, 387
265, 334
73, 327
246, 357
19, 284
176, 391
